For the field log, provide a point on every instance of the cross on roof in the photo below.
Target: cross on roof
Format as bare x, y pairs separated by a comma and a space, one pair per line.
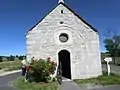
61, 1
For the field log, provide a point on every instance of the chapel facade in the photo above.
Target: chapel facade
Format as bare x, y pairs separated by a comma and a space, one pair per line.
65, 37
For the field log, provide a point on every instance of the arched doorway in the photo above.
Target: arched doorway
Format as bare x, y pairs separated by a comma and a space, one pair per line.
64, 59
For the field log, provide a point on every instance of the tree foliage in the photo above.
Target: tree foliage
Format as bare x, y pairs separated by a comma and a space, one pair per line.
112, 45
0, 59
21, 57
11, 58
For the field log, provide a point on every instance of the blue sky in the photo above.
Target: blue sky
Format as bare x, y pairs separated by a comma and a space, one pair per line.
18, 16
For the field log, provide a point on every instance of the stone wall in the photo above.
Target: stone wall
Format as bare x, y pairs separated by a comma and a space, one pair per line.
83, 43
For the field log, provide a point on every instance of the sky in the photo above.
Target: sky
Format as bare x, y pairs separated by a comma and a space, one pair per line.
18, 16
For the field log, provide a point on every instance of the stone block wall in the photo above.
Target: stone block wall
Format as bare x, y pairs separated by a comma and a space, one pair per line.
83, 43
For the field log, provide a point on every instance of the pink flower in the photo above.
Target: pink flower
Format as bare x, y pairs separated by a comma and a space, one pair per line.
27, 68
53, 63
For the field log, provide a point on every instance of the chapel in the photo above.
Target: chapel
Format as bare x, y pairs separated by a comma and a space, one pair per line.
66, 37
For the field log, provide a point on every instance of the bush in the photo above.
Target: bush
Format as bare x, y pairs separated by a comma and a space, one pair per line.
40, 70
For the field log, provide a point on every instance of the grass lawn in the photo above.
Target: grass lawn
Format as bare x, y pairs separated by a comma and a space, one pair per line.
10, 65
19, 84
112, 79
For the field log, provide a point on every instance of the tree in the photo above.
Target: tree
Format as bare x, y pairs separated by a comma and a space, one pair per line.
116, 40
24, 56
20, 57
16, 56
0, 58
11, 58
112, 46
109, 45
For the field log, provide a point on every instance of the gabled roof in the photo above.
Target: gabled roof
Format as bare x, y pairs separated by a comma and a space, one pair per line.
72, 12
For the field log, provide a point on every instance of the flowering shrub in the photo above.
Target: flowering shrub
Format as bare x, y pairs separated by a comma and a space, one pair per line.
40, 70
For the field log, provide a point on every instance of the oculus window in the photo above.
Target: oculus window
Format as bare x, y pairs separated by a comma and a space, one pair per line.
63, 37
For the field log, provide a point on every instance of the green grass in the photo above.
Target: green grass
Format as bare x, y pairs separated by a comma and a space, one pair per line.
112, 79
10, 65
19, 84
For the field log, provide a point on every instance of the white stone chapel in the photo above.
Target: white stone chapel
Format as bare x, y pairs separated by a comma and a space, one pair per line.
67, 38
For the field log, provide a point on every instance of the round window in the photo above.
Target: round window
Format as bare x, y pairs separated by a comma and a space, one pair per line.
63, 37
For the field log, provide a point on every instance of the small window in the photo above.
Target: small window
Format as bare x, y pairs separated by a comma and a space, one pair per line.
63, 37
61, 11
61, 22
